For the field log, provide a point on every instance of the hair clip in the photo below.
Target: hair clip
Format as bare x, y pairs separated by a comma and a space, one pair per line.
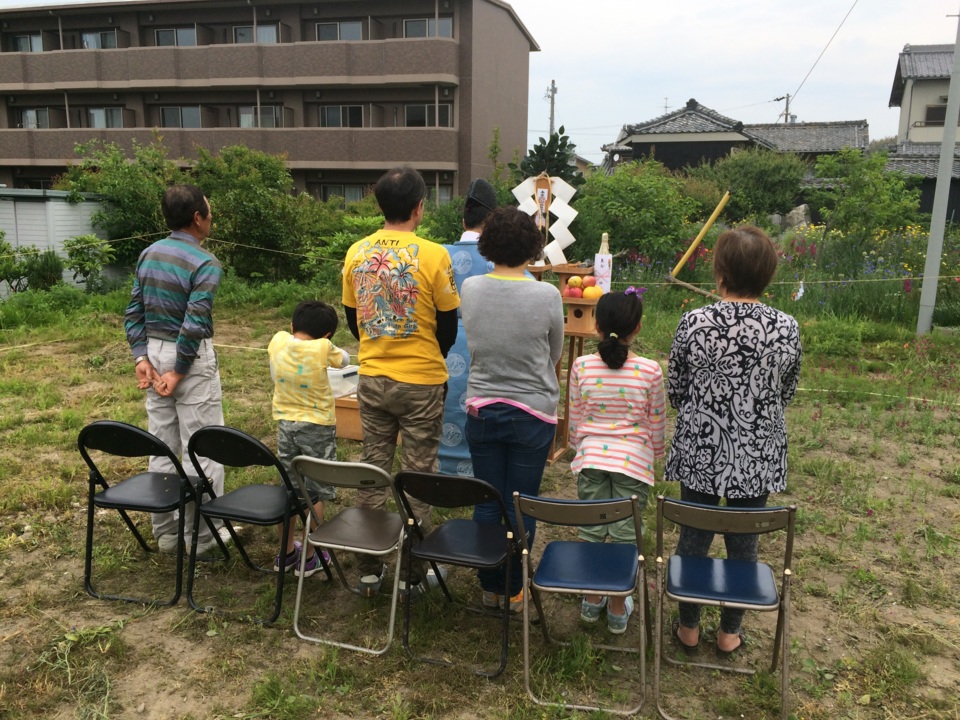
630, 291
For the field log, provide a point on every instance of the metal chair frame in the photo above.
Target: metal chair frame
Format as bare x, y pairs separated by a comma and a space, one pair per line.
151, 492
722, 574
458, 541
352, 530
259, 504
583, 512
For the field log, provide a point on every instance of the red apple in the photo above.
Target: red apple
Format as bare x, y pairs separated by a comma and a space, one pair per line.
589, 281
572, 292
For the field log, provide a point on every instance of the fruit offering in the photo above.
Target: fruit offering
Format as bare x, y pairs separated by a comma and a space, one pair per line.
589, 281
576, 281
592, 292
572, 292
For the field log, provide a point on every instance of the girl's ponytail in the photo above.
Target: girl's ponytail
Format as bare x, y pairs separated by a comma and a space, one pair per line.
618, 315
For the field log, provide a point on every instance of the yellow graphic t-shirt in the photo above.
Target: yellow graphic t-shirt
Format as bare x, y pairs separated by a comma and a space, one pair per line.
397, 282
301, 388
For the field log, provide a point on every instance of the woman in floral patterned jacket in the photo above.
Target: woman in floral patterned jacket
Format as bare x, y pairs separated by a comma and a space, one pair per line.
734, 366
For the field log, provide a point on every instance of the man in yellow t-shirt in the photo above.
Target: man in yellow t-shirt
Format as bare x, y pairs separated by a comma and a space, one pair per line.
401, 303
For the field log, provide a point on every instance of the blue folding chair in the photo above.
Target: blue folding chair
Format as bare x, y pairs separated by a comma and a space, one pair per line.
583, 568
725, 583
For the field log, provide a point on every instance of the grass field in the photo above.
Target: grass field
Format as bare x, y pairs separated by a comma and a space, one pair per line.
874, 468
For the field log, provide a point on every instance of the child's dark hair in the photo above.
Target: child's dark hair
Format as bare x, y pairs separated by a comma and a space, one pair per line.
618, 315
315, 318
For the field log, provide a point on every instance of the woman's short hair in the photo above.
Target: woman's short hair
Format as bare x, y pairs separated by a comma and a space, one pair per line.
744, 261
510, 237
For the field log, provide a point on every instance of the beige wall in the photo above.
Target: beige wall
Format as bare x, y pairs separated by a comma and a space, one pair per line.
917, 95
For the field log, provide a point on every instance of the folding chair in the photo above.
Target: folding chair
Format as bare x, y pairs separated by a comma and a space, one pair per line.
151, 492
725, 583
352, 530
584, 568
261, 505
458, 541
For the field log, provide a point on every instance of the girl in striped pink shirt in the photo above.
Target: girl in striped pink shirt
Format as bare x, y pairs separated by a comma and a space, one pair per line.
617, 425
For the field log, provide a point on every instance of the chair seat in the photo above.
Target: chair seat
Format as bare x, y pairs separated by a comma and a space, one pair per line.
146, 492
360, 530
722, 582
465, 542
254, 504
579, 566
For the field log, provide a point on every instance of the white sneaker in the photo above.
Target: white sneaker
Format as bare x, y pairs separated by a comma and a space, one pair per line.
432, 581
225, 534
167, 543
205, 547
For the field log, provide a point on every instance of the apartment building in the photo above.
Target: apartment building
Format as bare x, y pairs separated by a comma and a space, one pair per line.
344, 88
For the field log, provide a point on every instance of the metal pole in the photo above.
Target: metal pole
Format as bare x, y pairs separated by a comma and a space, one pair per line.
938, 219
552, 92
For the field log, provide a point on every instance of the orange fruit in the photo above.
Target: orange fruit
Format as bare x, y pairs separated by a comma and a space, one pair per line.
592, 293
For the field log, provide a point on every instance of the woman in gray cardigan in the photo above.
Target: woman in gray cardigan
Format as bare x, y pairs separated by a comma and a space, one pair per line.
514, 328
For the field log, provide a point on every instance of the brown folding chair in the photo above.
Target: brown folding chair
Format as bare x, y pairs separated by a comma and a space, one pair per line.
725, 583
352, 530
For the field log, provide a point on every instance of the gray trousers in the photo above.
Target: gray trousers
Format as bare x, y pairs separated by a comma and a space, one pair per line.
196, 403
696, 543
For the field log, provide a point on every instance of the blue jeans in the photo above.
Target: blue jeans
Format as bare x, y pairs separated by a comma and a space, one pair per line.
509, 449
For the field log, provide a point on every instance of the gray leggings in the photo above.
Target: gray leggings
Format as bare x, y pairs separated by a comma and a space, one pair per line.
696, 543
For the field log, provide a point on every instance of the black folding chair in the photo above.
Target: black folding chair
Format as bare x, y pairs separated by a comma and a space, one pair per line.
583, 568
723, 582
150, 492
261, 505
353, 530
458, 541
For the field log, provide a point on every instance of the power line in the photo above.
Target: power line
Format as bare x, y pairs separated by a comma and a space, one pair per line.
794, 95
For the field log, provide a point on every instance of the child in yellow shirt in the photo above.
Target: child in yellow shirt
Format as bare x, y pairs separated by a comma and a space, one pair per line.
303, 402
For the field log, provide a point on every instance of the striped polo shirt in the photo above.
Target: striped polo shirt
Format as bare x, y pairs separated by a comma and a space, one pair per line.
617, 417
172, 297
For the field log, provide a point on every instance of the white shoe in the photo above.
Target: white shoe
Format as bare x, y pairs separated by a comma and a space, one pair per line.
205, 547
225, 534
167, 543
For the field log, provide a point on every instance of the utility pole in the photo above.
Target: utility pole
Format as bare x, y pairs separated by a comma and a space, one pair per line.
938, 218
551, 95
786, 111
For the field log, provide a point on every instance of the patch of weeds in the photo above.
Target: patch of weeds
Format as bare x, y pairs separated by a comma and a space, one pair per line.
280, 697
904, 458
911, 594
938, 544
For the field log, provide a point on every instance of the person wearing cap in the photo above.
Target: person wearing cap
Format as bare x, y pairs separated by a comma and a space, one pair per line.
467, 262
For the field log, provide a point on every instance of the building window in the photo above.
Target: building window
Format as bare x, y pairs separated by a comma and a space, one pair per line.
28, 43
428, 27
34, 118
426, 115
937, 116
266, 34
187, 116
344, 30
99, 40
186, 36
341, 116
440, 195
270, 116
349, 193
111, 117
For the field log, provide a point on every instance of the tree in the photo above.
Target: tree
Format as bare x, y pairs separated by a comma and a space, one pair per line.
862, 197
641, 205
555, 157
760, 181
133, 190
255, 221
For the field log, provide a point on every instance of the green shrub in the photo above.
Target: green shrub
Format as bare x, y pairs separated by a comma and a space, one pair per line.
43, 270
86, 257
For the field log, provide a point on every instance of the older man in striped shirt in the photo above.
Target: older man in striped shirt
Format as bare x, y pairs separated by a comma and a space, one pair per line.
169, 325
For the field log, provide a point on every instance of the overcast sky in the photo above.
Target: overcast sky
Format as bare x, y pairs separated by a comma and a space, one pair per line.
618, 62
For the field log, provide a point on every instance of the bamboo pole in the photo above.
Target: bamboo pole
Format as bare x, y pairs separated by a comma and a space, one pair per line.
703, 231
693, 288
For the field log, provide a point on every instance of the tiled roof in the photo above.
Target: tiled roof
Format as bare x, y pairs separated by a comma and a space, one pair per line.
921, 159
813, 136
692, 118
920, 62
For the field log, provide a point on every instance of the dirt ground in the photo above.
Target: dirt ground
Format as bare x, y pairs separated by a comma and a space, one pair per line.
874, 621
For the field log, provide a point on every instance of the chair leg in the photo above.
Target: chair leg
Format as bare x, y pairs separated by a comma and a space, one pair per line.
192, 562
785, 663
408, 554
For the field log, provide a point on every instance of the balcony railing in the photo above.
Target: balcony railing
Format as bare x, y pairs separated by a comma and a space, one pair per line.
290, 65
305, 147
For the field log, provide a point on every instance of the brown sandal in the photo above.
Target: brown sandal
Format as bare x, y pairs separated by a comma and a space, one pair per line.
688, 649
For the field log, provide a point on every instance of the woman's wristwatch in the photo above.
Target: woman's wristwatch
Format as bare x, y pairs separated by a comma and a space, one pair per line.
139, 359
